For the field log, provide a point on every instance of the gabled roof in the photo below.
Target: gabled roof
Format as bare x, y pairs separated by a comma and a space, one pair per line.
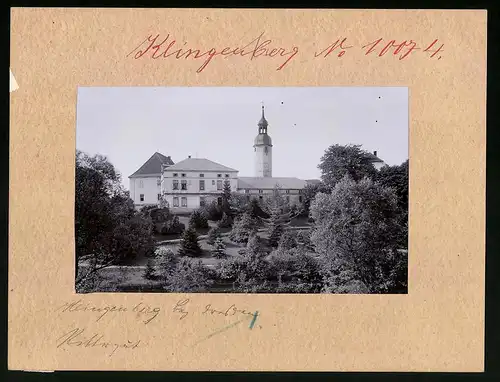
266, 183
199, 164
153, 165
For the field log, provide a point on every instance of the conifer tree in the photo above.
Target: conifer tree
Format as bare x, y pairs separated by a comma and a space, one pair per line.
189, 245
213, 234
219, 248
243, 228
226, 198
225, 222
198, 220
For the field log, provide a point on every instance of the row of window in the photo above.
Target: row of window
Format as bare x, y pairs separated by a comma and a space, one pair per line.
175, 185
201, 175
203, 200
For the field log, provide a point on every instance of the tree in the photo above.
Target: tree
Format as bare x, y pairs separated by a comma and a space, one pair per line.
350, 160
280, 216
309, 193
108, 229
213, 234
212, 211
189, 275
356, 231
288, 240
219, 248
255, 210
226, 198
243, 228
198, 220
225, 222
167, 262
189, 245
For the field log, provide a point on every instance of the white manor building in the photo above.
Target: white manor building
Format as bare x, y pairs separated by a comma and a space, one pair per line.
193, 182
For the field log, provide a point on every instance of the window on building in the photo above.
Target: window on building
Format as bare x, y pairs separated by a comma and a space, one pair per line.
227, 175
300, 198
288, 199
248, 198
202, 201
219, 201
175, 184
184, 185
260, 191
219, 185
247, 191
219, 175
175, 174
183, 175
213, 182
300, 191
141, 197
184, 202
202, 175
202, 185
141, 184
159, 196
158, 182
287, 191
176, 202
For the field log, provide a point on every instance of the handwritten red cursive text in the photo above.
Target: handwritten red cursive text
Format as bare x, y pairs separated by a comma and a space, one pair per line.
155, 47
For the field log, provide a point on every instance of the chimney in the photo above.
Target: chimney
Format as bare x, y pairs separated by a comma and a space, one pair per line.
375, 153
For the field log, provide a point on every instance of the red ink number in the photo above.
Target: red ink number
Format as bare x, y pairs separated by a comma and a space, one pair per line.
434, 51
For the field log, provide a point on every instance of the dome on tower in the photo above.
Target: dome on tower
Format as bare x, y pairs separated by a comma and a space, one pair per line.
263, 139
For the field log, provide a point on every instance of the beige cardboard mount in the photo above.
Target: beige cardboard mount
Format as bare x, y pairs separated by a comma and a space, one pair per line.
438, 326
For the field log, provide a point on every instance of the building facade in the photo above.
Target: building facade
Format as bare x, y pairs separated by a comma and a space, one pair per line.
145, 183
194, 182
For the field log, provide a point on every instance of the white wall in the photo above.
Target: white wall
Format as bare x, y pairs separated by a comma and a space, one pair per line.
263, 161
146, 186
193, 181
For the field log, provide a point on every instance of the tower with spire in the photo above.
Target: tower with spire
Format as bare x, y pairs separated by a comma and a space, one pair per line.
263, 150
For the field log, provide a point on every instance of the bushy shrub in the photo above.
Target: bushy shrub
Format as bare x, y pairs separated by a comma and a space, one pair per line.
166, 262
213, 234
189, 245
198, 220
172, 227
189, 275
212, 211
225, 222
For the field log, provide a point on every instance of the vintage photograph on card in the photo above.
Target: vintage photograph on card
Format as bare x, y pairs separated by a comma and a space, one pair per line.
242, 189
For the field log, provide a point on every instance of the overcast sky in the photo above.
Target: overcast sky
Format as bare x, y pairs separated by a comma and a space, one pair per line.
128, 124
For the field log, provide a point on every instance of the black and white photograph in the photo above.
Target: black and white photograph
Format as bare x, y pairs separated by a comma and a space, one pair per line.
242, 190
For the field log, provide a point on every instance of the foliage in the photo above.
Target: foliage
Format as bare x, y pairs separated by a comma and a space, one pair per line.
157, 215
212, 211
213, 234
339, 161
309, 193
172, 227
108, 229
243, 228
356, 230
303, 239
189, 275
189, 245
219, 248
198, 220
288, 240
255, 209
166, 262
397, 178
149, 272
225, 222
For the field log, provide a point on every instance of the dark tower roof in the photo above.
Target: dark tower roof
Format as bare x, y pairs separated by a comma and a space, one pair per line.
263, 138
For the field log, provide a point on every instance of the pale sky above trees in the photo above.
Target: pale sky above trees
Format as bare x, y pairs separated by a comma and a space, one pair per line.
128, 124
